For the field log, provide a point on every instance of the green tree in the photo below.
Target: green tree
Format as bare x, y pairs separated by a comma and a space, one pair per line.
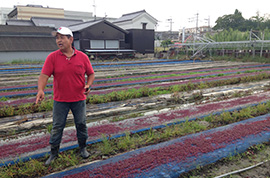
258, 21
234, 21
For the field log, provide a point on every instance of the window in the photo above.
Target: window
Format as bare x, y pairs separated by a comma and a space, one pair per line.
112, 44
144, 25
77, 44
97, 44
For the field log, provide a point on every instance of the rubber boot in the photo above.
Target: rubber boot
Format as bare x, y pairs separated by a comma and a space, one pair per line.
84, 153
53, 155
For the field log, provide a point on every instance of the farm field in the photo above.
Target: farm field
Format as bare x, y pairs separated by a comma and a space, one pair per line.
146, 118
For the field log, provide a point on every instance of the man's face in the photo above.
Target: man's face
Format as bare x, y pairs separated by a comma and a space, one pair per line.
63, 42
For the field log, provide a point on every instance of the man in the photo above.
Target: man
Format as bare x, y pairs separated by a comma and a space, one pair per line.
68, 67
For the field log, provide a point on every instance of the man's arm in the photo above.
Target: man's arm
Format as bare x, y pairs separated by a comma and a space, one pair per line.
42, 82
90, 80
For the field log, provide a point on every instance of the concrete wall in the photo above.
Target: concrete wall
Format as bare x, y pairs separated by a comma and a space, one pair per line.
11, 56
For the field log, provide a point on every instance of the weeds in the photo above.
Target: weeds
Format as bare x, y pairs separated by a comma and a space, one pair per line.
107, 147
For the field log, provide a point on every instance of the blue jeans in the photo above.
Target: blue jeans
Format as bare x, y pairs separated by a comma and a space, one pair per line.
60, 112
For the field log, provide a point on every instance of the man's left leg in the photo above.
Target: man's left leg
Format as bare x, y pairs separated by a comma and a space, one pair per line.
79, 112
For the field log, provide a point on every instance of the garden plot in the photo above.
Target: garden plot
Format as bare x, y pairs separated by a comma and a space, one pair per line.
172, 158
183, 77
149, 113
141, 106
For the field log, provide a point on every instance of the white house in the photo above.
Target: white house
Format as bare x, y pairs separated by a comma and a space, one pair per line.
136, 20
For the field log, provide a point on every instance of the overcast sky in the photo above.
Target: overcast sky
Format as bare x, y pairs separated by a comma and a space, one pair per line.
182, 13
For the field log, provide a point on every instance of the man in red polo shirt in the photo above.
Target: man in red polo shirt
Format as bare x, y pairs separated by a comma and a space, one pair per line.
68, 67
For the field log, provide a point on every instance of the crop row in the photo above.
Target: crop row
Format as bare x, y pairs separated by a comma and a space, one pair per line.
7, 93
201, 72
33, 144
7, 69
117, 94
172, 158
182, 75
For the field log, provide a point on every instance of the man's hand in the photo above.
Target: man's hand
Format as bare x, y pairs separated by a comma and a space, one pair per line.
42, 81
40, 96
87, 89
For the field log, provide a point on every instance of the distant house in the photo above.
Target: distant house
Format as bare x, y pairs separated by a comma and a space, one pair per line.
141, 28
25, 42
136, 20
98, 35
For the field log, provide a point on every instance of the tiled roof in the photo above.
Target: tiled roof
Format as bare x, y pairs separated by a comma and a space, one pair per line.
54, 22
81, 26
24, 30
9, 44
19, 22
26, 38
45, 22
129, 17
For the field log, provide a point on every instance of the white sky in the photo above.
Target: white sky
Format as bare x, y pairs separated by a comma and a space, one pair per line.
182, 13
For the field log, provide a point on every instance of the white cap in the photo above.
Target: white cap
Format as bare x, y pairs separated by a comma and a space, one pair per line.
63, 31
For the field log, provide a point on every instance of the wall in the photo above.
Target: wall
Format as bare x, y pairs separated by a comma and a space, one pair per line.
137, 23
26, 12
142, 40
11, 56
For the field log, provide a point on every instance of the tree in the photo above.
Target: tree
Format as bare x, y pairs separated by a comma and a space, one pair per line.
258, 21
234, 21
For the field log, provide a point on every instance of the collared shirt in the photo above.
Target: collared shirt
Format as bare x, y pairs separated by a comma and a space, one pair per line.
68, 75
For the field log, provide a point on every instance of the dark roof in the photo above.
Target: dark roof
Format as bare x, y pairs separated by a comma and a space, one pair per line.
45, 22
131, 16
81, 26
15, 30
26, 38
9, 44
19, 22
54, 22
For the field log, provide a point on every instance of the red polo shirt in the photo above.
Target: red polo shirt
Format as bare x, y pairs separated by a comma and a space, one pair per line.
68, 75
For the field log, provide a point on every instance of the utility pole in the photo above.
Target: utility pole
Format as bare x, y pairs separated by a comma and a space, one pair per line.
94, 6
171, 22
196, 19
208, 21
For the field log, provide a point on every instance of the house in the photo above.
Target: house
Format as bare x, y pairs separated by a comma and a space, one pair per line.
141, 27
100, 34
25, 42
100, 37
136, 20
